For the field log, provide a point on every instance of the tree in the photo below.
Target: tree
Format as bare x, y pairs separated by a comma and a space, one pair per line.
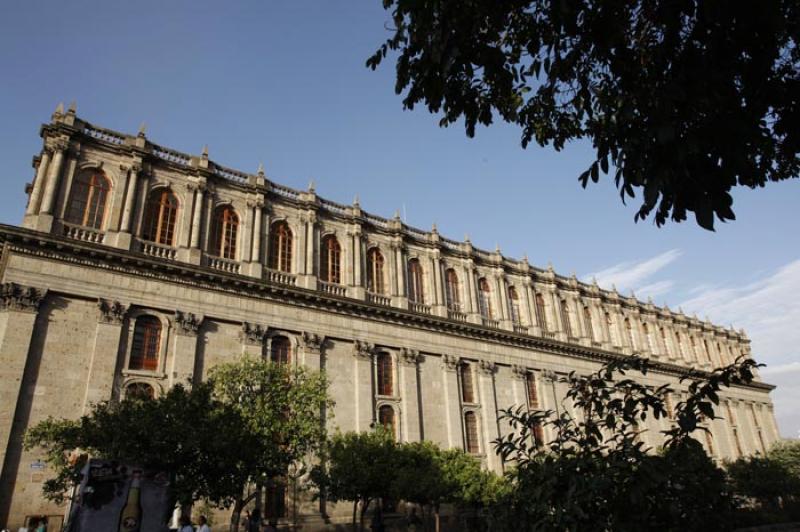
282, 408
772, 480
597, 474
186, 433
681, 100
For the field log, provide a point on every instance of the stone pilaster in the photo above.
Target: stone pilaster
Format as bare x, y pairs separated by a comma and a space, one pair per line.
105, 352
452, 401
38, 184
409, 391
184, 353
488, 400
126, 220
312, 345
364, 395
19, 306
256, 267
253, 336
400, 298
45, 220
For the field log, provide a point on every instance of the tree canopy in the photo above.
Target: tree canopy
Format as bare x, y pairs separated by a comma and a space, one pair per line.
682, 100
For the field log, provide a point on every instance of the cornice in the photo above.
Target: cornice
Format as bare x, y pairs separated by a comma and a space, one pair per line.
34, 243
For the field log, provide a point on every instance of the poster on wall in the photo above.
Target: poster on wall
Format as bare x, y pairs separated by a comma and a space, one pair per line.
118, 497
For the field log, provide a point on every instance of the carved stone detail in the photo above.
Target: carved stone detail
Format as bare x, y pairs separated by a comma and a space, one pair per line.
112, 312
410, 357
486, 367
450, 362
312, 343
23, 298
363, 349
253, 334
519, 372
187, 323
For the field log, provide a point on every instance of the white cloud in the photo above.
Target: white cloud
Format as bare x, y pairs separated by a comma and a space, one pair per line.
631, 275
769, 311
655, 289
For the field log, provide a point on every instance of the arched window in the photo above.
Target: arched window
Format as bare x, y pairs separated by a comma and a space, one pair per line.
629, 332
530, 387
467, 386
452, 291
281, 350
386, 419
139, 390
146, 344
280, 247
565, 319
385, 374
224, 231
471, 433
375, 271
330, 256
587, 318
485, 298
87, 200
540, 311
513, 304
416, 293
160, 215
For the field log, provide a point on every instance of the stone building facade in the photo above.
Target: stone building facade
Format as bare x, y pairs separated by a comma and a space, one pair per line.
138, 266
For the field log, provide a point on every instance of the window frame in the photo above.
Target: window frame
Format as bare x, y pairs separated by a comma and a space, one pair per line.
91, 189
382, 379
160, 218
280, 252
416, 281
225, 233
452, 293
330, 260
375, 271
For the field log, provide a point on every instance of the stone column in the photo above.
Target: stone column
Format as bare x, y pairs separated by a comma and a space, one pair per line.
502, 298
530, 314
139, 213
255, 267
409, 389
452, 402
364, 392
103, 361
472, 293
439, 282
130, 195
197, 215
358, 284
312, 350
491, 430
253, 336
19, 306
60, 146
185, 352
38, 183
400, 298
555, 313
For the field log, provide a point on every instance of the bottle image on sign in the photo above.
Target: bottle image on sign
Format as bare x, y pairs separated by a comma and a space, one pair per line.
130, 519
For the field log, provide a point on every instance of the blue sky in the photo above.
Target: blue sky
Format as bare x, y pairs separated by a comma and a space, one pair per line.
285, 83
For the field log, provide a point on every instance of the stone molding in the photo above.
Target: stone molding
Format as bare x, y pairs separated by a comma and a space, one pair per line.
111, 312
21, 298
312, 342
450, 362
187, 323
253, 334
519, 372
486, 367
362, 349
409, 357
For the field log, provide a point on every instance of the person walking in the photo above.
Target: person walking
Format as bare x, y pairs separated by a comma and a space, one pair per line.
203, 521
185, 524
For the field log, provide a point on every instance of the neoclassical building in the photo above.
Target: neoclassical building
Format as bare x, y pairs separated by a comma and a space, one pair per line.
137, 267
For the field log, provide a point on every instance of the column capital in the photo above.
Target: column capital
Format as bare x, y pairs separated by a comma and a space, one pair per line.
409, 357
187, 323
111, 312
486, 367
549, 375
312, 342
363, 350
450, 362
57, 143
519, 372
14, 296
252, 334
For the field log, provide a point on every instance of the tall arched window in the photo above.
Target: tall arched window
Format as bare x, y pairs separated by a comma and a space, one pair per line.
452, 291
514, 307
375, 271
587, 318
146, 344
281, 350
416, 292
471, 433
467, 385
485, 298
565, 319
386, 419
530, 386
160, 215
540, 311
280, 247
330, 259
385, 374
139, 390
87, 200
224, 232
707, 351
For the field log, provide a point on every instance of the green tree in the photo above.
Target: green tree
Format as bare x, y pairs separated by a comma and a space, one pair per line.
189, 434
282, 408
681, 100
597, 474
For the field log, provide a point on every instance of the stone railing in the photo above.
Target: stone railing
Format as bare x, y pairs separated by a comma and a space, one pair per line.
85, 234
520, 329
104, 135
157, 250
334, 207
172, 156
224, 265
378, 299
279, 277
488, 322
549, 334
231, 175
286, 192
422, 308
456, 315
376, 220
332, 288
